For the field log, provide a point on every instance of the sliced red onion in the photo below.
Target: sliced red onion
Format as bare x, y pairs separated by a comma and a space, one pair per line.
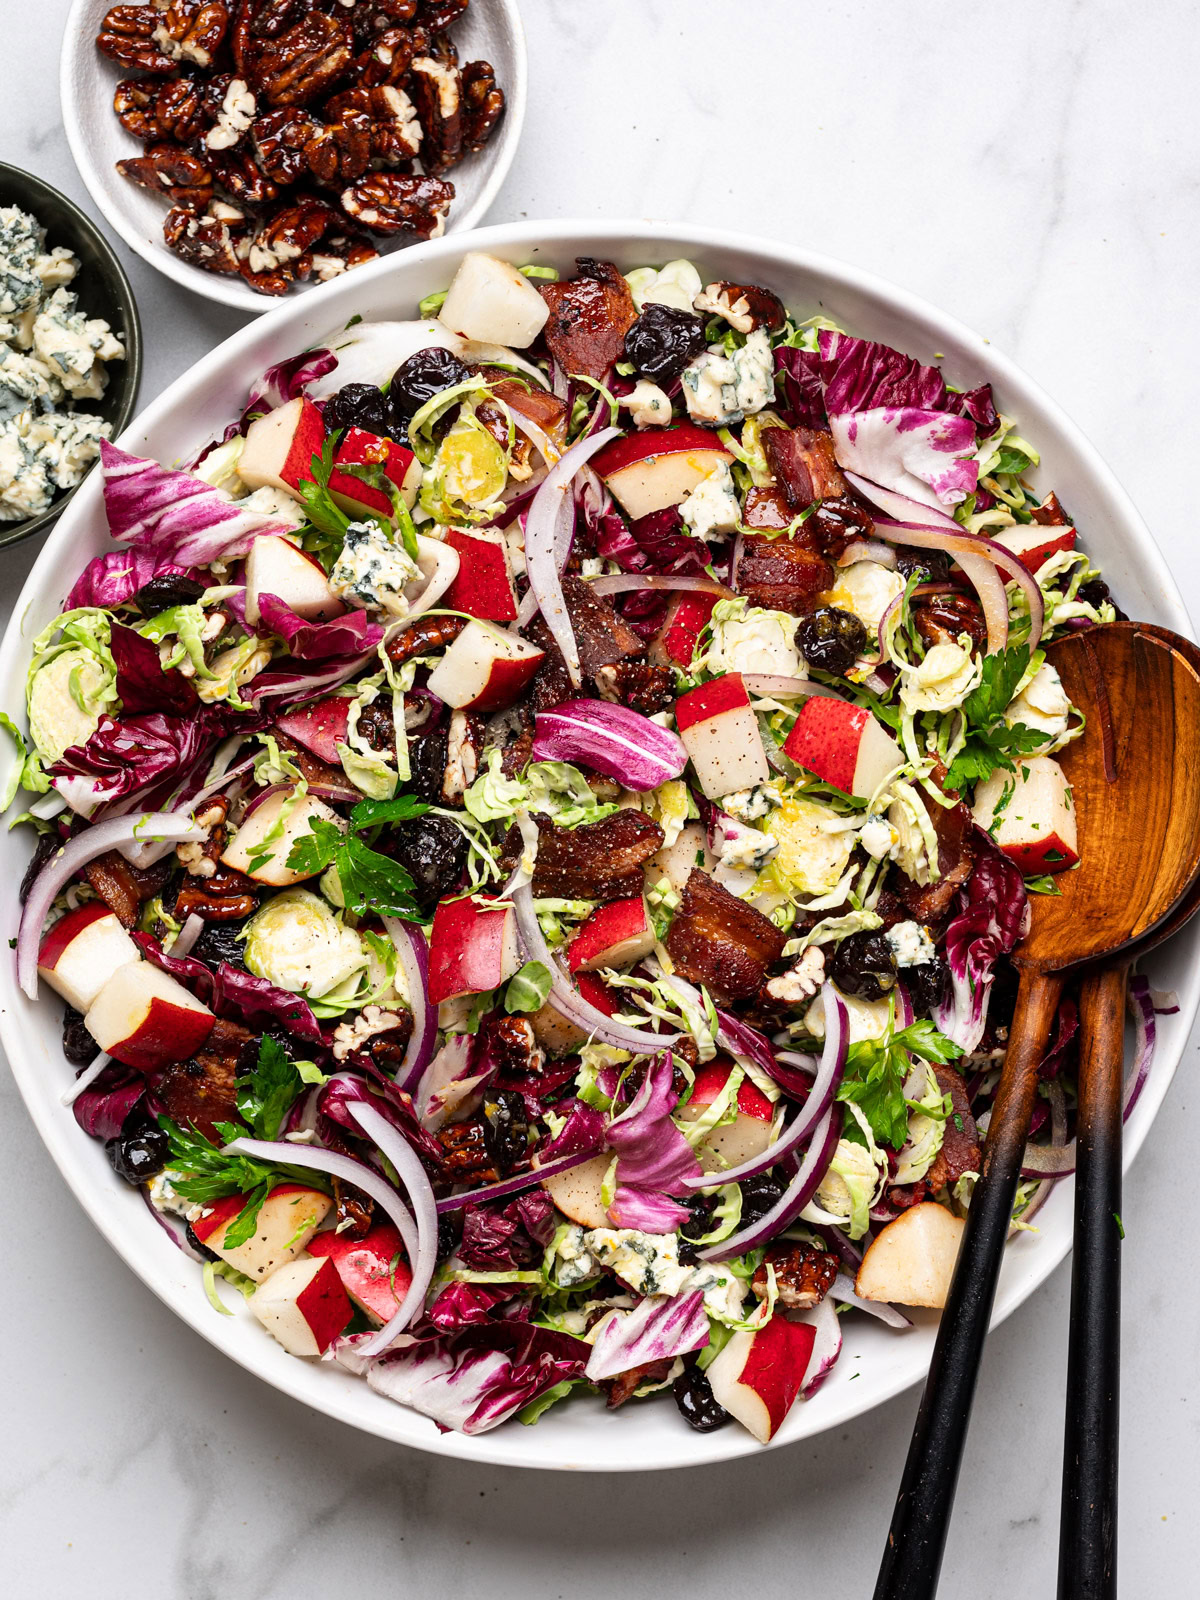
392, 1144
1141, 1005
300, 686
541, 530
85, 1079
318, 1159
868, 550
537, 436
518, 1182
905, 1016
636, 582
827, 1346
794, 1198
413, 953
76, 853
843, 1290
566, 997
193, 927
775, 684
845, 1247
612, 740
820, 1097
222, 782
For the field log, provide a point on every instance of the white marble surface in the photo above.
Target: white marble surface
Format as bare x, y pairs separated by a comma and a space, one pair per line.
1033, 170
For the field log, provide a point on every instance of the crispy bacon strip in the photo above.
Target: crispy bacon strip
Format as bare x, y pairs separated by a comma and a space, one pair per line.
599, 861
720, 941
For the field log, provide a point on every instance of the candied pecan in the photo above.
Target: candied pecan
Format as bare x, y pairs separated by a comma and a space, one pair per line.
168, 169
339, 151
299, 65
238, 171
389, 58
438, 15
436, 90
744, 306
340, 251
136, 104
598, 861
393, 202
803, 464
960, 1152
128, 36
201, 1091
123, 887
185, 108
465, 1156
193, 30
280, 138
231, 106
625, 1384
940, 618
226, 896
589, 318
718, 940
205, 241
200, 858
638, 685
395, 131
1050, 513
422, 637
482, 104
511, 1044
803, 1275
836, 521
355, 1210
463, 752
781, 574
288, 234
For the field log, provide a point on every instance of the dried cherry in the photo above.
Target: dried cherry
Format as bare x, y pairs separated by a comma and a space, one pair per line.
165, 593
864, 965
359, 405
831, 640
698, 1406
421, 377
663, 341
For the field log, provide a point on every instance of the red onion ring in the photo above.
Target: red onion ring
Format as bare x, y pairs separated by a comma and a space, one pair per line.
413, 953
843, 1290
635, 582
772, 683
827, 1346
86, 1079
868, 550
514, 1185
794, 1198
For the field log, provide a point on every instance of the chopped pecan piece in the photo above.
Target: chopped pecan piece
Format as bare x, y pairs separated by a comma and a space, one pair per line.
339, 150
340, 251
720, 941
395, 131
355, 1210
625, 1384
238, 171
482, 104
280, 141
1050, 513
128, 35
744, 306
200, 858
511, 1044
638, 685
302, 63
389, 57
781, 574
436, 89
940, 618
394, 202
206, 241
960, 1152
288, 234
201, 1091
168, 169
225, 896
803, 1275
465, 1156
423, 637
589, 318
464, 748
598, 861
136, 104
123, 887
438, 15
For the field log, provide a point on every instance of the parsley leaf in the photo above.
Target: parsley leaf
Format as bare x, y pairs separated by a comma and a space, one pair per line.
201, 1171
370, 881
991, 696
265, 1094
317, 849
402, 809
1044, 884
991, 742
876, 1070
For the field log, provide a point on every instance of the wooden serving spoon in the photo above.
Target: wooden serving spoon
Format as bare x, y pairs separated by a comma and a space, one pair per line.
1136, 784
1088, 1529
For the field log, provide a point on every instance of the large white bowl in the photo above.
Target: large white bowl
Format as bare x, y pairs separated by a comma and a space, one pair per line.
581, 1434
491, 31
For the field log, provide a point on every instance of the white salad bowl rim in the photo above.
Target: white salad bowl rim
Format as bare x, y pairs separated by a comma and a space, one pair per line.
580, 1435
97, 141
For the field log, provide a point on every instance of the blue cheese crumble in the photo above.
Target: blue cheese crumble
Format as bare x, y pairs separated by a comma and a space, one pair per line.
649, 1263
371, 572
721, 389
50, 353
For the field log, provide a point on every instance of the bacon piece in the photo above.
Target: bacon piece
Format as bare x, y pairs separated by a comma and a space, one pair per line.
125, 888
766, 508
960, 1142
539, 405
589, 318
604, 639
620, 1388
955, 831
313, 770
804, 465
718, 940
201, 1092
598, 861
803, 1275
782, 574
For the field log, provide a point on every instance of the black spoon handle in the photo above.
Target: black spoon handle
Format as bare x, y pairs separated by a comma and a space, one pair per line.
1087, 1546
913, 1557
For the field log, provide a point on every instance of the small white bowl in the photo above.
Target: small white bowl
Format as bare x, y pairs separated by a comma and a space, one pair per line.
879, 1362
491, 31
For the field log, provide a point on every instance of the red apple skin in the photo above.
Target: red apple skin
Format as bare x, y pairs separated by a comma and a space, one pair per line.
218, 1214
687, 617
82, 951
711, 699
472, 947
595, 991
1051, 854
775, 1366
358, 448
373, 1269
711, 1079
605, 930
507, 681
319, 727
634, 447
166, 1034
161, 1030
325, 1306
307, 437
1036, 544
825, 739
68, 928
484, 585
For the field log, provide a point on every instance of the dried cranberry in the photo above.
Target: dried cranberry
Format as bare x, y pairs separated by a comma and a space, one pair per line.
663, 341
864, 965
759, 1195
1095, 592
165, 593
359, 405
831, 640
434, 851
139, 1151
699, 1223
427, 757
697, 1404
927, 984
220, 941
48, 845
421, 377
449, 1233
505, 1128
79, 1047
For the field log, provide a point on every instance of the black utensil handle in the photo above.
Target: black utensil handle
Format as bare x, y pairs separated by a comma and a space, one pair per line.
1087, 1546
917, 1538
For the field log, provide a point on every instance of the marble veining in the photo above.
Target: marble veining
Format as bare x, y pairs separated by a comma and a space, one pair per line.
1032, 170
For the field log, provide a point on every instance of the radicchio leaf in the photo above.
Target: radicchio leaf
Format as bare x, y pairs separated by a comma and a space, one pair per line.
101, 1110
286, 381
137, 751
992, 914
351, 634
803, 398
463, 1305
653, 1157
659, 1328
924, 454
141, 682
109, 580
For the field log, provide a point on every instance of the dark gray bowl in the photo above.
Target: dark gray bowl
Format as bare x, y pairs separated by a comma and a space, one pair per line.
103, 291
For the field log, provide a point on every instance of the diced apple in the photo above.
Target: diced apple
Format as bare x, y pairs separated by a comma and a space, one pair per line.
472, 947
358, 448
147, 1019
659, 467
687, 617
286, 1221
277, 566
485, 669
319, 727
911, 1260
280, 447
82, 951
1035, 543
492, 303
1036, 827
484, 585
676, 861
577, 1192
614, 935
373, 1270
244, 851
843, 745
303, 1305
757, 1376
557, 1033
720, 733
749, 1133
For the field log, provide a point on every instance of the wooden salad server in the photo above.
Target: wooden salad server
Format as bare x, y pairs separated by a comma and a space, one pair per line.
1088, 1528
1136, 784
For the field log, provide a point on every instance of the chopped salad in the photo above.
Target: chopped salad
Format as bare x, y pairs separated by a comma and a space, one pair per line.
530, 827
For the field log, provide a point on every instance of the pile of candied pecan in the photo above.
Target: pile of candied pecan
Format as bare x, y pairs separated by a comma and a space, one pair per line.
285, 132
